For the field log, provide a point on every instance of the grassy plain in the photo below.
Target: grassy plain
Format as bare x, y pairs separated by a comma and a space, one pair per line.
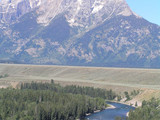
118, 79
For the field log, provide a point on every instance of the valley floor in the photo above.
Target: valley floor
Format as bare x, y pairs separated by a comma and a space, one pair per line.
118, 79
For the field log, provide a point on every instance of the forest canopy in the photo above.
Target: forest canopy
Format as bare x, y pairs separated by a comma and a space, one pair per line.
50, 101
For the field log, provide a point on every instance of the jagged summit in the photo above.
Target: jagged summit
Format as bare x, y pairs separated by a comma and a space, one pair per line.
77, 32
77, 11
11, 10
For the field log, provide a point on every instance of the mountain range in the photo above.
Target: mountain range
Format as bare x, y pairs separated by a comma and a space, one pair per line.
77, 32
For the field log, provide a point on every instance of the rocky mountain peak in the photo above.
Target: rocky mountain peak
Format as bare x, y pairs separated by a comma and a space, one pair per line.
12, 10
77, 12
77, 32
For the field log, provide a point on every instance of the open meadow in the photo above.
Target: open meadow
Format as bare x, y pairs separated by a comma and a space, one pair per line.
118, 79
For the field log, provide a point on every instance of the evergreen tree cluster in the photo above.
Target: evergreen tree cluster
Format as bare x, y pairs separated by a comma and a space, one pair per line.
148, 111
89, 91
50, 101
45, 105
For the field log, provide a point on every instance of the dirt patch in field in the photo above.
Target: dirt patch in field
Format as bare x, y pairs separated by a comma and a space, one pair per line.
14, 84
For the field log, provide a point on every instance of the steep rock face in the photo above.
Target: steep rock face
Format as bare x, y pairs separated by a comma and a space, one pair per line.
77, 32
120, 41
11, 10
77, 12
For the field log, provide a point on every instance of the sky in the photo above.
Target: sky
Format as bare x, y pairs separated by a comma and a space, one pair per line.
148, 9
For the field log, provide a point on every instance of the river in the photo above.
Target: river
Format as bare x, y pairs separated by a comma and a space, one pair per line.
120, 110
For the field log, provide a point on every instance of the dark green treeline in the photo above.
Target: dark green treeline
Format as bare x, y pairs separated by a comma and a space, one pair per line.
49, 101
89, 91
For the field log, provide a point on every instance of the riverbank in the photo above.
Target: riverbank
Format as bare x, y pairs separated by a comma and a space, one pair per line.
111, 112
130, 103
108, 107
124, 103
111, 107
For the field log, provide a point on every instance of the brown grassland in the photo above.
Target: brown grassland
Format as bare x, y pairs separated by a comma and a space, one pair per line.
118, 79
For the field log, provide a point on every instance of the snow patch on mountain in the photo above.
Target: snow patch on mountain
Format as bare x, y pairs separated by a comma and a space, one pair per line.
72, 19
97, 6
126, 12
48, 10
77, 12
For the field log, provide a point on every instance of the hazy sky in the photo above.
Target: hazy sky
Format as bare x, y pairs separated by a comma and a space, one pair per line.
148, 9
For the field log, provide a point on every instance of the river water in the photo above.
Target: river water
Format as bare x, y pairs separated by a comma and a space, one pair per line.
121, 110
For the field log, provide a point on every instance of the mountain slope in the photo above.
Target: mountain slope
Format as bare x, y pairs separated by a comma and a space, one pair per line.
77, 32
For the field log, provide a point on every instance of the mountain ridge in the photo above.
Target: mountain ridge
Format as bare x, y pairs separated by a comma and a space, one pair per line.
77, 32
